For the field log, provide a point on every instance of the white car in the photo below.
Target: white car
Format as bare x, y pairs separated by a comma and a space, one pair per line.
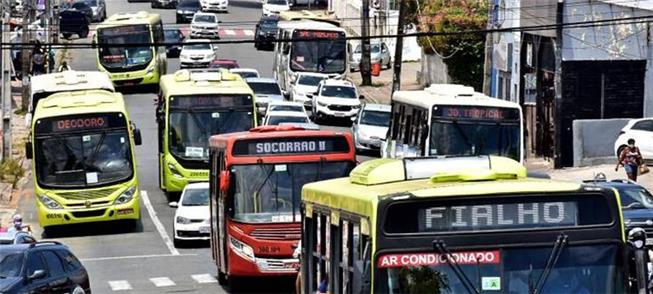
199, 54
245, 72
286, 117
370, 126
271, 7
335, 98
214, 5
306, 83
642, 131
285, 106
192, 218
266, 90
205, 25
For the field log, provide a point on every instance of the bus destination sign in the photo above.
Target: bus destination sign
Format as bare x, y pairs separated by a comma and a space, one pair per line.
124, 30
290, 146
475, 112
210, 101
80, 123
306, 34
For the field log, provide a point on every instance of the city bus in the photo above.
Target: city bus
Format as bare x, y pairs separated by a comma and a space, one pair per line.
465, 225
193, 105
132, 65
256, 181
83, 164
453, 120
324, 51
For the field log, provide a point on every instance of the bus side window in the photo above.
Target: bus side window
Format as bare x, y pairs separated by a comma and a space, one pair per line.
319, 250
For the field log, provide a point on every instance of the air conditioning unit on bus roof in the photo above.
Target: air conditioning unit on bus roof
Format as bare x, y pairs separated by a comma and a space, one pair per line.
450, 90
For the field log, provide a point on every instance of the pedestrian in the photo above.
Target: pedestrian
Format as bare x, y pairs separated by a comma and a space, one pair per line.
38, 59
323, 287
298, 254
63, 67
18, 224
630, 158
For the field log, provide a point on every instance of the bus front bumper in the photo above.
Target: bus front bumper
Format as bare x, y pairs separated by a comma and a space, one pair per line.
245, 267
143, 77
53, 217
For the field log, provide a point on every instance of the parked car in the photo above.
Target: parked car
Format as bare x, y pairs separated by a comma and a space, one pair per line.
305, 83
334, 98
192, 214
215, 5
205, 25
370, 126
163, 3
266, 32
73, 22
287, 117
266, 90
198, 54
79, 5
224, 63
98, 9
16, 237
41, 267
642, 131
285, 106
379, 53
172, 37
245, 72
186, 9
272, 7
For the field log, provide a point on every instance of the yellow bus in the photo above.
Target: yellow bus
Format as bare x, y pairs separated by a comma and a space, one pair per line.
464, 225
83, 165
138, 64
192, 106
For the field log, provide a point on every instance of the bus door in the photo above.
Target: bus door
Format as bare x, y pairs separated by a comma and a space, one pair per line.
224, 185
160, 115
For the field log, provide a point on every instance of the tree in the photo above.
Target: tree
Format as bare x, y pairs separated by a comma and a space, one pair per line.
463, 54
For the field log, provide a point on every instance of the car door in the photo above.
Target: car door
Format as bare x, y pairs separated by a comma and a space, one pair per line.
58, 279
35, 263
642, 132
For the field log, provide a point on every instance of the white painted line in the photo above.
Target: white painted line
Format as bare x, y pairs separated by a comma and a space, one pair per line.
204, 278
158, 224
121, 285
132, 257
162, 282
248, 32
230, 32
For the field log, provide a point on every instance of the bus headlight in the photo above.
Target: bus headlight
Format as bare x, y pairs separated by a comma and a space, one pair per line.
151, 68
49, 202
242, 249
182, 220
126, 196
174, 171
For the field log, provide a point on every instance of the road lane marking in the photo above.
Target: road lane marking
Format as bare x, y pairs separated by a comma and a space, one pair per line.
204, 278
133, 257
230, 32
248, 32
121, 285
158, 224
162, 282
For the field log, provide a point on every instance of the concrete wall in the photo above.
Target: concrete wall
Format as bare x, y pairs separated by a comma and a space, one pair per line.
433, 71
594, 140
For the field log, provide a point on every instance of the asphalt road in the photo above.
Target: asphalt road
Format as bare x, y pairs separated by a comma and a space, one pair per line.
121, 258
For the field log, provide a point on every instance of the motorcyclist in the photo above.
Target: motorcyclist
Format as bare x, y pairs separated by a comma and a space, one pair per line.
18, 224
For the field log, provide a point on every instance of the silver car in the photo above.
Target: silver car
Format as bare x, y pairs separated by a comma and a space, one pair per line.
266, 90
370, 126
379, 53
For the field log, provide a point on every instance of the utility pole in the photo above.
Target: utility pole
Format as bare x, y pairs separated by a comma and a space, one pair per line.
489, 39
5, 91
399, 48
26, 52
557, 117
366, 75
48, 33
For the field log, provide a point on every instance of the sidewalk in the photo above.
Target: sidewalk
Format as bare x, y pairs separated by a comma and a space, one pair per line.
381, 87
589, 172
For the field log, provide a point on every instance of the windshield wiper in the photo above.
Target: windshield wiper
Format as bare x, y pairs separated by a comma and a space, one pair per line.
91, 158
558, 246
441, 247
257, 193
464, 136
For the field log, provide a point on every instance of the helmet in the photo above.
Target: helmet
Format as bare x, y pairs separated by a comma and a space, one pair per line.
18, 218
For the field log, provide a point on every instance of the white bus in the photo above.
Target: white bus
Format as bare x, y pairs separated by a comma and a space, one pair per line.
325, 50
453, 120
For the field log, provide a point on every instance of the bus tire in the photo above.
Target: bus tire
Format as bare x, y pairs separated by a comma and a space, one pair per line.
222, 279
83, 33
67, 35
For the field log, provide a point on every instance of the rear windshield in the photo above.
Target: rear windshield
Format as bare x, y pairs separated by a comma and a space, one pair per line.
190, 4
265, 88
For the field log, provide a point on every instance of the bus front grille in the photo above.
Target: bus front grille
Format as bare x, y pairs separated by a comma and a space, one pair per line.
87, 194
277, 234
88, 213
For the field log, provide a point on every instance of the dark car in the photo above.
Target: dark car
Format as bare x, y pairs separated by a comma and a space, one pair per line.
81, 6
224, 63
42, 267
163, 3
266, 31
73, 22
173, 39
186, 10
16, 237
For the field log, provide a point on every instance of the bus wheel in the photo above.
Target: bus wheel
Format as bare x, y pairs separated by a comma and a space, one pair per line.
83, 33
222, 279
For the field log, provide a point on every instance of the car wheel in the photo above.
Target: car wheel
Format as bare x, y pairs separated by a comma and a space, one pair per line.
78, 290
67, 35
152, 5
222, 279
83, 33
389, 64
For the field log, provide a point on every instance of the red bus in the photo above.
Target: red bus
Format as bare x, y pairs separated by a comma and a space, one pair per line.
256, 178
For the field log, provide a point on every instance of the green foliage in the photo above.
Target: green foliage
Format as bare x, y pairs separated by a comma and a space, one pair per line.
11, 170
423, 280
465, 52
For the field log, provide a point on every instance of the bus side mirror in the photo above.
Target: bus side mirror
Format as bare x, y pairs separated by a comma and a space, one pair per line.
225, 179
138, 140
28, 150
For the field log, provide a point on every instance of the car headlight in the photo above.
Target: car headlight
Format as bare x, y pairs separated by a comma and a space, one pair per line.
320, 103
184, 56
242, 249
182, 220
126, 196
355, 106
361, 133
49, 202
174, 171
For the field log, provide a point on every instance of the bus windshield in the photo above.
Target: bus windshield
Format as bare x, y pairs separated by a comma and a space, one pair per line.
83, 159
113, 56
267, 193
324, 52
459, 138
580, 269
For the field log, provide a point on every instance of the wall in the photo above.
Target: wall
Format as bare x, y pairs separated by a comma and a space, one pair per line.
433, 71
594, 140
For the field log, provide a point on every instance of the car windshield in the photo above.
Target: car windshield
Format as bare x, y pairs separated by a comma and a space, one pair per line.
189, 4
83, 159
635, 198
299, 108
462, 138
172, 35
267, 193
277, 2
197, 46
269, 23
114, 56
322, 52
265, 88
278, 119
579, 269
204, 18
11, 263
339, 92
196, 197
374, 48
91, 2
375, 118
310, 80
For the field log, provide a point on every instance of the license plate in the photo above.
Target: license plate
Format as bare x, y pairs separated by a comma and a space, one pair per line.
649, 242
340, 114
205, 230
